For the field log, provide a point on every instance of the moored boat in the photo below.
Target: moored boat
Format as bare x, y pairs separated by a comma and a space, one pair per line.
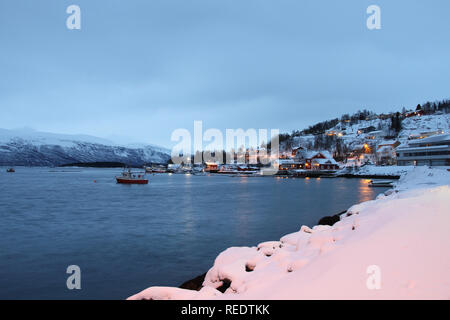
10, 170
152, 169
129, 177
148, 169
380, 183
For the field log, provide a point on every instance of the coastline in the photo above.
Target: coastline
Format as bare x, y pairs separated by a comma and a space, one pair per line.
403, 231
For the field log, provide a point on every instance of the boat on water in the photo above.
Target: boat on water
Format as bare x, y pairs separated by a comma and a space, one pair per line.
227, 170
129, 177
154, 170
380, 183
10, 170
148, 169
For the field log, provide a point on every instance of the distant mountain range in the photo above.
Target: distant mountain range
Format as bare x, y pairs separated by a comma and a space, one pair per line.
28, 147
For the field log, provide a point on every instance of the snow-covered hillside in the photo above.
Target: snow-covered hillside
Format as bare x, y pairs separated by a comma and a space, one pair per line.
415, 126
376, 130
33, 148
394, 247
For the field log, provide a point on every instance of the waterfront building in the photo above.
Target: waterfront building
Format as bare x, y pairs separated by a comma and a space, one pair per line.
324, 164
316, 160
431, 151
289, 164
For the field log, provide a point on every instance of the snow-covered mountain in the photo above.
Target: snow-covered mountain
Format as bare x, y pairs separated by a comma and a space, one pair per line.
32, 148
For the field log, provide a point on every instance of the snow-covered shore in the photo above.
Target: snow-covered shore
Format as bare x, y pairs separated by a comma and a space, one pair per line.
372, 170
394, 247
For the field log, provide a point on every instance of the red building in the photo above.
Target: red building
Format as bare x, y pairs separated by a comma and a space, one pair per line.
319, 160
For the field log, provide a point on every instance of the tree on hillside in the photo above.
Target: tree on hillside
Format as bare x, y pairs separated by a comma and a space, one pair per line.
396, 123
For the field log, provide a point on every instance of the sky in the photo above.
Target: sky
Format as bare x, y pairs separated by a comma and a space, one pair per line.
139, 69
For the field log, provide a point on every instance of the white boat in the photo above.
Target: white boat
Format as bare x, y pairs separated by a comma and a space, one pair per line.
381, 183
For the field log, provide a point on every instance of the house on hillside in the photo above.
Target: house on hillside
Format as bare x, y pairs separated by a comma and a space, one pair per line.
360, 149
335, 133
385, 152
425, 134
372, 135
365, 130
414, 113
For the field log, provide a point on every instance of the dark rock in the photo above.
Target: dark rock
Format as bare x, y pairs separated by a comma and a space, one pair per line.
225, 285
194, 284
329, 221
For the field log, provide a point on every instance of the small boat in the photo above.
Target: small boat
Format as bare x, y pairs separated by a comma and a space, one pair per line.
380, 183
10, 170
225, 170
148, 169
129, 177
154, 170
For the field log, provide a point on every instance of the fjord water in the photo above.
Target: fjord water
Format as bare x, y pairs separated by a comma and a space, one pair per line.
126, 238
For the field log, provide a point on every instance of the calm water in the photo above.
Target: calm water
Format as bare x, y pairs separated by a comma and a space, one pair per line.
127, 238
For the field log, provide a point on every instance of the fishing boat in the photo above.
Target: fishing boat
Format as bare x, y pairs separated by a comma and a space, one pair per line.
380, 183
129, 177
10, 170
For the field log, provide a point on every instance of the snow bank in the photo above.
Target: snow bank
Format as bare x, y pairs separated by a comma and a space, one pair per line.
401, 237
372, 170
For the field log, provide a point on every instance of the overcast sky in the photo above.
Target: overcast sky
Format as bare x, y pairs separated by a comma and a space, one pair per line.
140, 69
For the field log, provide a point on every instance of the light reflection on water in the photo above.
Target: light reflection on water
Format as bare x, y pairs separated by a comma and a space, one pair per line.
366, 193
126, 238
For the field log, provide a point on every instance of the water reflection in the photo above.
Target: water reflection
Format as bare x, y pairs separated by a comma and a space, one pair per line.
366, 193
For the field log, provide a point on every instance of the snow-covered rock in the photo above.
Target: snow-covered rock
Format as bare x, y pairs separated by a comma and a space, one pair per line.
401, 238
